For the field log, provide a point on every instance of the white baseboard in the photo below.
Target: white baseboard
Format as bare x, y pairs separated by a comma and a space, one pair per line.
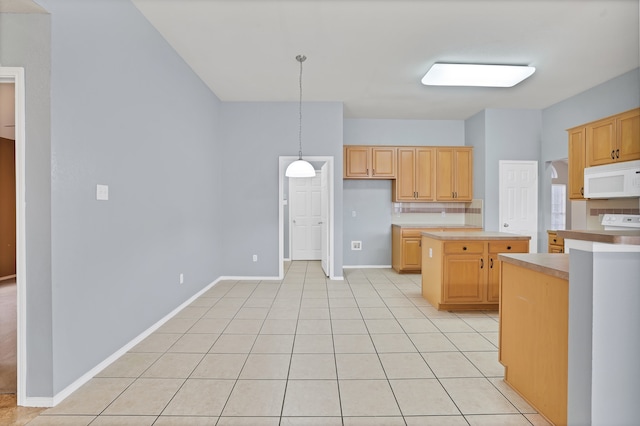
60, 396
365, 266
248, 278
7, 277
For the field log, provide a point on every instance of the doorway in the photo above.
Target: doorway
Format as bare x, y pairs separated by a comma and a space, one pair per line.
325, 164
15, 76
518, 199
305, 217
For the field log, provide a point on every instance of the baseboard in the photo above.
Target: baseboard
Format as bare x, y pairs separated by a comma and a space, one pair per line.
41, 402
8, 277
365, 266
60, 396
231, 278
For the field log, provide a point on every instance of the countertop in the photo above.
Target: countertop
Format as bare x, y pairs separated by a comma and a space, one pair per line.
607, 237
434, 226
473, 235
556, 265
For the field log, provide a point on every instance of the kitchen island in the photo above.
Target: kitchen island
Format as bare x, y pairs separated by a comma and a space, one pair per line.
584, 329
460, 269
534, 326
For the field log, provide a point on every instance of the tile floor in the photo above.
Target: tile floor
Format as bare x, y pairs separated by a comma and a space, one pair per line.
368, 350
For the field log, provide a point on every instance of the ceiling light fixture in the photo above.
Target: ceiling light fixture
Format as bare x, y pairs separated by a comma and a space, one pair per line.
300, 168
476, 75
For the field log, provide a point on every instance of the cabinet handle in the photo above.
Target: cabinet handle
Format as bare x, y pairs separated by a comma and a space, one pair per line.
582, 191
420, 243
613, 156
508, 247
554, 240
617, 153
491, 263
464, 247
367, 172
481, 263
373, 172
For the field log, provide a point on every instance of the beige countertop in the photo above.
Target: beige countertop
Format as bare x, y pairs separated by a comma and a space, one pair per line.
473, 235
434, 226
556, 265
607, 237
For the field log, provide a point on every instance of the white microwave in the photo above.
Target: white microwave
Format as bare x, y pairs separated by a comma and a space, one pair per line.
616, 180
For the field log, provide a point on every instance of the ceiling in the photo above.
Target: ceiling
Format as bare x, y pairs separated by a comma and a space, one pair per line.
371, 54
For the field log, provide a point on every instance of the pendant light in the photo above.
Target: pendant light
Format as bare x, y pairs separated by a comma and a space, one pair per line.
300, 168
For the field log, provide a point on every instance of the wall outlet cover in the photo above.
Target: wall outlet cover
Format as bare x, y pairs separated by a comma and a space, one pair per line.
356, 245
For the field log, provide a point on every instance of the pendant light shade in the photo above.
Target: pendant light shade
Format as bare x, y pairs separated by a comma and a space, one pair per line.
300, 168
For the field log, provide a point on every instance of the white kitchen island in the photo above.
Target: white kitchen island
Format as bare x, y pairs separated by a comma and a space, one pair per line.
604, 327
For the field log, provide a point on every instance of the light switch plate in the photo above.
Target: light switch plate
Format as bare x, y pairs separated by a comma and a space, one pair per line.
102, 192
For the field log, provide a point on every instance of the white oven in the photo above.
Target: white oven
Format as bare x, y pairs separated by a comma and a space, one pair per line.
621, 222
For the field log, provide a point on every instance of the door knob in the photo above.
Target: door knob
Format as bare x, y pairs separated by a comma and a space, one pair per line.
319, 223
294, 221
506, 225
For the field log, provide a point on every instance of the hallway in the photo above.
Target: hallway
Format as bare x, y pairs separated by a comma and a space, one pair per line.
307, 351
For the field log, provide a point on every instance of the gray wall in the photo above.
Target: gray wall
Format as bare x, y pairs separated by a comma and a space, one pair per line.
25, 41
129, 113
372, 199
255, 135
614, 96
475, 135
510, 135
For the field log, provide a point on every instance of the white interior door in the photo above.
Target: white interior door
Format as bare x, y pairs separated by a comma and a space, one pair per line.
305, 214
519, 199
324, 218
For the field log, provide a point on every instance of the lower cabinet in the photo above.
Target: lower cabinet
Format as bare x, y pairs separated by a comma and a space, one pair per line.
406, 247
556, 243
464, 274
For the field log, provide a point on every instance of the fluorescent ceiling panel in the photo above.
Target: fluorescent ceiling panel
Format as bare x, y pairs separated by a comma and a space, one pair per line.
476, 75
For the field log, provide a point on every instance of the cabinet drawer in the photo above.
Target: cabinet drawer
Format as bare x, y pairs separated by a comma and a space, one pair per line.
508, 246
554, 239
463, 247
413, 233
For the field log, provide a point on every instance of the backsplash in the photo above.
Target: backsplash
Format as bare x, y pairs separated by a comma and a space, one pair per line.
597, 208
438, 213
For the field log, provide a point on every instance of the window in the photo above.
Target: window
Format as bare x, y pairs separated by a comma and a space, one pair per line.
558, 206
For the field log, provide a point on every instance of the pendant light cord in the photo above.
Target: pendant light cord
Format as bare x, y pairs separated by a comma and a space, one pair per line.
301, 59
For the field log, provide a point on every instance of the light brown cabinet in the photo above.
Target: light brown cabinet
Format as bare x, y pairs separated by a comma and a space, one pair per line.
454, 174
556, 243
406, 246
415, 180
576, 162
463, 272
369, 162
613, 139
534, 336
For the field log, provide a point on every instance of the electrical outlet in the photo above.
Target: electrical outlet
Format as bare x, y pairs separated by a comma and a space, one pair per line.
444, 213
255, 257
353, 213
181, 278
356, 245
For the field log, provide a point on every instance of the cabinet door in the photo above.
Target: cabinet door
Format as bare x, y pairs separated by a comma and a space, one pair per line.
493, 280
444, 174
411, 254
404, 186
576, 163
628, 128
356, 162
464, 278
600, 142
463, 190
425, 174
383, 162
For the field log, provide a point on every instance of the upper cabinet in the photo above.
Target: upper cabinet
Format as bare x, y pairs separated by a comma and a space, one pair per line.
576, 163
454, 173
613, 139
415, 179
369, 162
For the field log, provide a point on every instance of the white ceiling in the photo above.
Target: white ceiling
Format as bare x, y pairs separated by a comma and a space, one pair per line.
371, 54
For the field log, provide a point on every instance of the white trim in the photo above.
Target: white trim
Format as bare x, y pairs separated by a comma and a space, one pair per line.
283, 163
37, 402
365, 266
248, 278
16, 75
60, 396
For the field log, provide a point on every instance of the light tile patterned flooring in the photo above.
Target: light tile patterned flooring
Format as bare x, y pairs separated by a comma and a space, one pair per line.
307, 351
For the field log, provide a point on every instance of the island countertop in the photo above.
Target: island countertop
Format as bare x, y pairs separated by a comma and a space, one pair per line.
606, 237
474, 235
556, 265
434, 226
